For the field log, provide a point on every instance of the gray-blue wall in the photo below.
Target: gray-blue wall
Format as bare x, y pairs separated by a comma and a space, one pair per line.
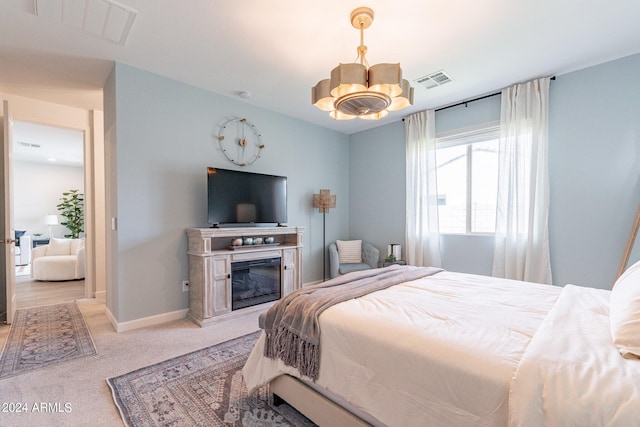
165, 138
594, 168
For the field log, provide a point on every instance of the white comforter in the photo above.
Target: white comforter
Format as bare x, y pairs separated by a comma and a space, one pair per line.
443, 351
571, 373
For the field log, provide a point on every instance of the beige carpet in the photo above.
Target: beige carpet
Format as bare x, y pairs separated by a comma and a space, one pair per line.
77, 392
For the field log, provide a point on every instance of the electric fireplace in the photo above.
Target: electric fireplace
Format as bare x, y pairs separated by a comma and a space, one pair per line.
255, 282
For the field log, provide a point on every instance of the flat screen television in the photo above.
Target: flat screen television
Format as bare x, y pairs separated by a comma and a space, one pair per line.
238, 197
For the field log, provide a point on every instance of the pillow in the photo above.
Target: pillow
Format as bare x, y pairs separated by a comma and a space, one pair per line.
19, 234
624, 312
59, 247
349, 251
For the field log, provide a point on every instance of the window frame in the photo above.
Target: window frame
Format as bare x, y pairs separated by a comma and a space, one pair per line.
468, 136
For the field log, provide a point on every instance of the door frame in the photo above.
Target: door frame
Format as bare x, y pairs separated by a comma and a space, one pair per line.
90, 122
8, 240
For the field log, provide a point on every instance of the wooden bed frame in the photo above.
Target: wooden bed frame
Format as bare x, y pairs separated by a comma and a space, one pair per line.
313, 405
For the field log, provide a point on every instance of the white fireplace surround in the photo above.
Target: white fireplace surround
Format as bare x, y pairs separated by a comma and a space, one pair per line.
211, 254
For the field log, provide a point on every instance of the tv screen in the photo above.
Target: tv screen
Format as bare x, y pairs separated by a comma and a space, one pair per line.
236, 197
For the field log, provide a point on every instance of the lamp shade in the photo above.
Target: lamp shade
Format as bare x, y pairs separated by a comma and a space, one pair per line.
386, 78
403, 100
324, 201
51, 220
348, 78
321, 96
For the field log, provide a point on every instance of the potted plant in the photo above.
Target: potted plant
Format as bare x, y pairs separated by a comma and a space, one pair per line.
71, 207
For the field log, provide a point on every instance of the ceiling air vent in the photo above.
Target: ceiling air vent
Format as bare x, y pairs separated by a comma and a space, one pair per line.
434, 79
103, 18
28, 144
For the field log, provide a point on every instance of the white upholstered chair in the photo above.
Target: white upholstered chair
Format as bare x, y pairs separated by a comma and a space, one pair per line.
61, 259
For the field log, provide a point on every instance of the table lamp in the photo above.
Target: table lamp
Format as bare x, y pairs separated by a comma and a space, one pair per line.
51, 220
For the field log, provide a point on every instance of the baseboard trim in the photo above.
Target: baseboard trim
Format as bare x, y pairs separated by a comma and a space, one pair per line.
157, 319
101, 296
111, 319
144, 322
314, 282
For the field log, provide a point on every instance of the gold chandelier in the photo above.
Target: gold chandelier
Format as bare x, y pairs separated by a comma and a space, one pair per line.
357, 90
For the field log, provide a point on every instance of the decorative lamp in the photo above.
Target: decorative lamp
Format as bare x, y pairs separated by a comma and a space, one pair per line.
51, 220
357, 90
324, 201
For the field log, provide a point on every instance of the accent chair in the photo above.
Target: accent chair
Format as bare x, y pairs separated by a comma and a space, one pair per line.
346, 256
61, 259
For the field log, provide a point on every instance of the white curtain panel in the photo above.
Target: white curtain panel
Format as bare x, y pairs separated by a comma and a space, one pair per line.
522, 219
423, 235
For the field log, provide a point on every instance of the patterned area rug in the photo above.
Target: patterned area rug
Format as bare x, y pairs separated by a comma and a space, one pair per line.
203, 388
44, 336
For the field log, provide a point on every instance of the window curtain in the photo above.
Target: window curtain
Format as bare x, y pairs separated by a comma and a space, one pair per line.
422, 235
522, 219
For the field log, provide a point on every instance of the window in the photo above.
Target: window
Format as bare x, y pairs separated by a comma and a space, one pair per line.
467, 173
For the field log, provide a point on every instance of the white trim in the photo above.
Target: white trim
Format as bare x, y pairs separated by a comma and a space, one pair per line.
146, 321
468, 135
314, 282
153, 320
111, 319
101, 296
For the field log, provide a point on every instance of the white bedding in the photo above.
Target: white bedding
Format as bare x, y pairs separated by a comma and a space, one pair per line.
572, 374
441, 350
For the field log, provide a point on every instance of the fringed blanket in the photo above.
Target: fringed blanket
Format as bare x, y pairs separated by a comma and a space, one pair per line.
291, 325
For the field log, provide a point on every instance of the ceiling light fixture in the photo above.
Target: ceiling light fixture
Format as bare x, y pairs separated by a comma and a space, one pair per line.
357, 90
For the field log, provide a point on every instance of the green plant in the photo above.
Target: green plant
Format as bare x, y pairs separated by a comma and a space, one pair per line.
71, 207
390, 258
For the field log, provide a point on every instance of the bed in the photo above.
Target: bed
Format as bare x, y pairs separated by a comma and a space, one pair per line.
453, 349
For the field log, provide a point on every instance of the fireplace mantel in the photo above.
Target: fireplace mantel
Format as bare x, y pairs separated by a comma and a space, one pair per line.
211, 254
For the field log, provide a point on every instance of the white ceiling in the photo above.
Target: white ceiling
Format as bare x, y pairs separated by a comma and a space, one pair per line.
277, 50
46, 144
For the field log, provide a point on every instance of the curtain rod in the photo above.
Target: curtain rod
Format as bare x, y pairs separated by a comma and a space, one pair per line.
474, 99
468, 101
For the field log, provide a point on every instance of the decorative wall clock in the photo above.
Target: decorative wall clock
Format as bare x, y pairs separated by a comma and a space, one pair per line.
240, 141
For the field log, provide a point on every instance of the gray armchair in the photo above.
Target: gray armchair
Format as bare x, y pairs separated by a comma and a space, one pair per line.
370, 258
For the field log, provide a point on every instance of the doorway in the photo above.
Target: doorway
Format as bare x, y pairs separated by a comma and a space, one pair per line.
47, 162
91, 124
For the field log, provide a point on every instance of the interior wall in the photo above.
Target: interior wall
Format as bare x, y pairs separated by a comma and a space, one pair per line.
112, 295
37, 189
99, 218
162, 134
377, 186
594, 169
377, 180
